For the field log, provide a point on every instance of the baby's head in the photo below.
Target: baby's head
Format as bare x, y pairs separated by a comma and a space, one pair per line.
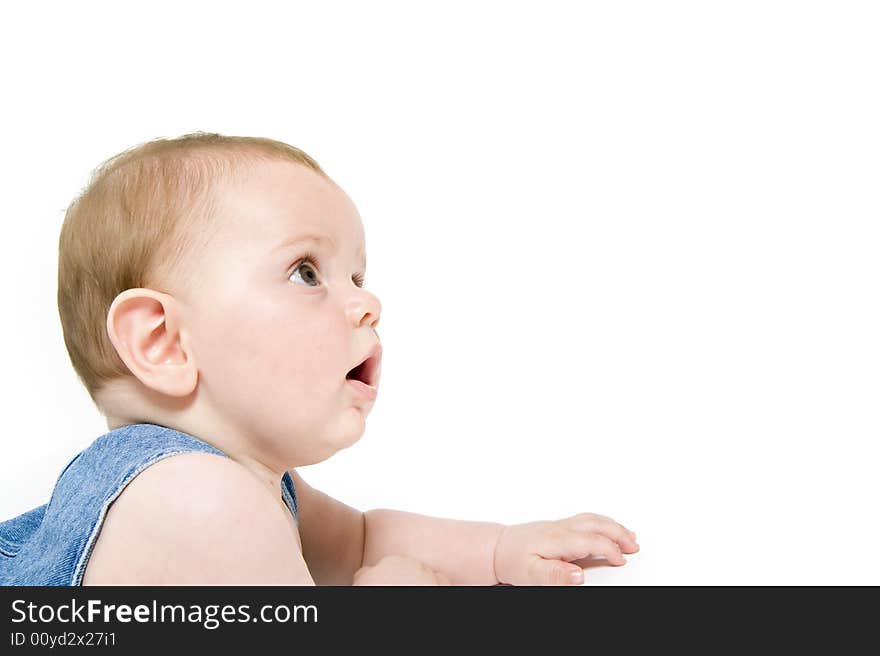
213, 284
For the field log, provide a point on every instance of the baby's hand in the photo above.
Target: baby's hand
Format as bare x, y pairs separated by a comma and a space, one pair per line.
398, 570
542, 553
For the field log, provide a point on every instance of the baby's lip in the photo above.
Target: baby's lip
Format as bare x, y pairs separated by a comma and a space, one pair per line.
368, 366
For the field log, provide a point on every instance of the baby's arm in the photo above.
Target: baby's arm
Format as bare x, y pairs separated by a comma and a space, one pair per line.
331, 533
461, 550
337, 540
484, 553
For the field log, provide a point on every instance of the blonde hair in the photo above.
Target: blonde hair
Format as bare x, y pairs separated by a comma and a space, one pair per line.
132, 226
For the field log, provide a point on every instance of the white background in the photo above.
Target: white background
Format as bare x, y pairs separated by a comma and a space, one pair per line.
627, 252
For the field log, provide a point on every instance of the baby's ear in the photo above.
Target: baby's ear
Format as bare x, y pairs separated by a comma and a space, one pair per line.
143, 325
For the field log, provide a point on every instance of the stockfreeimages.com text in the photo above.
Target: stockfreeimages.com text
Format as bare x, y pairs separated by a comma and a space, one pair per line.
210, 616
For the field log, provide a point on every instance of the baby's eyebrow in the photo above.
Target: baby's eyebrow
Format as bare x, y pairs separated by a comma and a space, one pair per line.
314, 238
318, 239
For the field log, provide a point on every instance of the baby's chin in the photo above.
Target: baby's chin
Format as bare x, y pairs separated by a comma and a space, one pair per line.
350, 437
335, 441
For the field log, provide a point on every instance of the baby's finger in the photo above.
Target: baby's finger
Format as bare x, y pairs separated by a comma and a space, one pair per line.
573, 545
595, 518
554, 572
592, 523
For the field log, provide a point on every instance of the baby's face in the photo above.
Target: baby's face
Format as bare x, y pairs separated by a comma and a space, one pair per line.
273, 336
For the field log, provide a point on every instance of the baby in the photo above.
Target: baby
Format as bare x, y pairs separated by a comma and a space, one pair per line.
211, 293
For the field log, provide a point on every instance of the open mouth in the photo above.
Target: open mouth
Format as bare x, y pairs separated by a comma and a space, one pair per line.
365, 372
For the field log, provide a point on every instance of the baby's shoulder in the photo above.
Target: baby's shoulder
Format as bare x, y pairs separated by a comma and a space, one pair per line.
199, 476
192, 482
190, 518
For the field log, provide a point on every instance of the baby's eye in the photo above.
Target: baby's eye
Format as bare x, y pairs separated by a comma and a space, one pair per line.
309, 264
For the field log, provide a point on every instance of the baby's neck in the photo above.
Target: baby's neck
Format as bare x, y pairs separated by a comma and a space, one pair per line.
124, 402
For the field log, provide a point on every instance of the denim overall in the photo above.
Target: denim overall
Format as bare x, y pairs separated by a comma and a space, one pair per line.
51, 544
